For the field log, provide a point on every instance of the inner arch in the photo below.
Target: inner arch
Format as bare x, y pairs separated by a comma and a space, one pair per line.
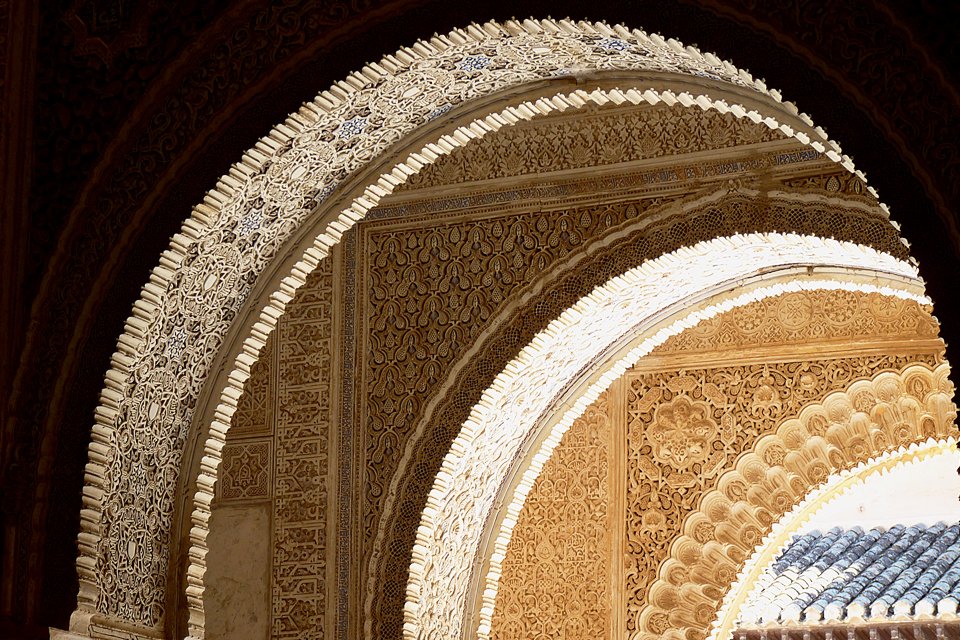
534, 385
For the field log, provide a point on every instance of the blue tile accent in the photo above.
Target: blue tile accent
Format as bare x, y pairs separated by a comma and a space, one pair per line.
873, 569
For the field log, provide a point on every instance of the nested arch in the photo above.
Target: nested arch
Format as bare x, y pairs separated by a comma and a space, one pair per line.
664, 230
197, 308
876, 416
642, 308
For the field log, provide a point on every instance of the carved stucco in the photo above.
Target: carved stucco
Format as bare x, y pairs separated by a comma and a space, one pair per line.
302, 490
289, 398
681, 595
808, 316
446, 245
468, 482
647, 233
872, 417
556, 578
689, 535
240, 227
608, 136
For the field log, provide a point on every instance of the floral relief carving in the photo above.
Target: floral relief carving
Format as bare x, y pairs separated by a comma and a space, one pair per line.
613, 135
433, 289
752, 401
682, 432
907, 402
686, 547
556, 577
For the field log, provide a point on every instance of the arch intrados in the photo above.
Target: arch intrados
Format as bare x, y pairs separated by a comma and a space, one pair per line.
213, 215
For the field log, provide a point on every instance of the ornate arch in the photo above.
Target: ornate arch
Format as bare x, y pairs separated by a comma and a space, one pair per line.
534, 388
188, 310
894, 412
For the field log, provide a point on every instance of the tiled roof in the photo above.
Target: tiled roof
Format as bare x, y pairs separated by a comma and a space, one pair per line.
852, 574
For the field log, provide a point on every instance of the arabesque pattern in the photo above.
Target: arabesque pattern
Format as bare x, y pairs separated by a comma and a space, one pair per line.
185, 311
821, 316
752, 402
302, 488
469, 479
871, 417
556, 578
611, 136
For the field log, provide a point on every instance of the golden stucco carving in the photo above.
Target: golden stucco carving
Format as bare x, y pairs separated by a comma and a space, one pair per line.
809, 316
561, 558
716, 456
870, 417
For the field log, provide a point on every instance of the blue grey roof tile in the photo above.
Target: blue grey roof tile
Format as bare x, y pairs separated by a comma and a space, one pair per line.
900, 571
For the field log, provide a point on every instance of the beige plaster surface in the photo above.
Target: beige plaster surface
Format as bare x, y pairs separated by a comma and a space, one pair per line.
238, 573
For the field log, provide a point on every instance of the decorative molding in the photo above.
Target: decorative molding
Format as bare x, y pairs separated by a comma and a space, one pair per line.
563, 143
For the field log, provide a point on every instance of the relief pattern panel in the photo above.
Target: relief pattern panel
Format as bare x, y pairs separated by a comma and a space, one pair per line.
304, 389
246, 466
245, 471
607, 137
808, 316
684, 428
556, 580
431, 291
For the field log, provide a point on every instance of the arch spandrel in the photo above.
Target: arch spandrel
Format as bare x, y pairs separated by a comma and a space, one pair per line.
187, 311
691, 557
